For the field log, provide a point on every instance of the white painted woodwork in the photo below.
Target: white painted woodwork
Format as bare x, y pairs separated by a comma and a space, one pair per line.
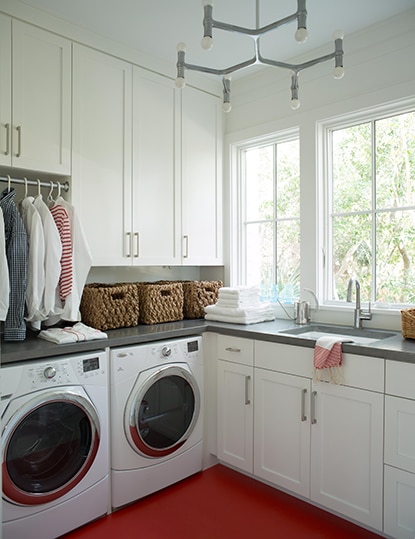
399, 503
236, 349
101, 186
400, 433
282, 430
35, 97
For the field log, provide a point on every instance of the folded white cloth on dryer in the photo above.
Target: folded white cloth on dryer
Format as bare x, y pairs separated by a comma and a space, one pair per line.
77, 333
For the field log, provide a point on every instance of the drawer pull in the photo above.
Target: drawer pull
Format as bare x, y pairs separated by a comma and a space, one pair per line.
231, 349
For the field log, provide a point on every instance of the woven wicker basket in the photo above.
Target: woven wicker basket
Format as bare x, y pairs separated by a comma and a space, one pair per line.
110, 306
408, 323
197, 295
161, 301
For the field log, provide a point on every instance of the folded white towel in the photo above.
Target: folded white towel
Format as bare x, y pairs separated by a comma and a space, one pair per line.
235, 303
240, 319
77, 333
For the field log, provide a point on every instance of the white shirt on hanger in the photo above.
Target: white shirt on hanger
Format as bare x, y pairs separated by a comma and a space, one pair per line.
53, 253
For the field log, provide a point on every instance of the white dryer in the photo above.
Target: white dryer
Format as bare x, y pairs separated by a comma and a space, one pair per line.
156, 416
55, 445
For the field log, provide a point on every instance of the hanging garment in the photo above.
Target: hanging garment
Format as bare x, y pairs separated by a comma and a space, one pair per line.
61, 218
82, 260
36, 262
53, 254
4, 272
16, 252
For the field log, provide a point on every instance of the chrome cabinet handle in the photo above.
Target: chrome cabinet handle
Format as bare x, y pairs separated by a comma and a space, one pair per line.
137, 238
186, 250
19, 141
313, 407
303, 396
7, 127
230, 349
128, 249
247, 401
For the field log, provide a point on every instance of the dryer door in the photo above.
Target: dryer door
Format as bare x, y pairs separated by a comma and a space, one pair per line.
48, 445
162, 411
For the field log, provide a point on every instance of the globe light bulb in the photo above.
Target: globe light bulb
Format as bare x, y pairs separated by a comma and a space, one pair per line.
338, 72
207, 43
180, 82
181, 47
301, 35
295, 104
338, 34
207, 3
227, 107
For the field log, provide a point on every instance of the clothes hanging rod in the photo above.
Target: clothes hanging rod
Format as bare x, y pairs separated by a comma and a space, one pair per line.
38, 183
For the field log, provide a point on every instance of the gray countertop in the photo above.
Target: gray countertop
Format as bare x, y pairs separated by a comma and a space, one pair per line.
396, 347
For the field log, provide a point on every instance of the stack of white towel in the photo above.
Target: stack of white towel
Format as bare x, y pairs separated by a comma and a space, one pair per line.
239, 305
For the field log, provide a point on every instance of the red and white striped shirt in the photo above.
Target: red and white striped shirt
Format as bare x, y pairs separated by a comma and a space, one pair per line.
61, 218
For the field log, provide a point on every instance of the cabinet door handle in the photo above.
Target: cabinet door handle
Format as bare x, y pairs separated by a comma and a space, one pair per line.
230, 349
247, 401
186, 250
303, 396
128, 249
313, 407
19, 141
7, 127
137, 244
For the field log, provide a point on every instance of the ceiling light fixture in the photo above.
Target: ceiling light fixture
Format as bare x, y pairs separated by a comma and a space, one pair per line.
300, 35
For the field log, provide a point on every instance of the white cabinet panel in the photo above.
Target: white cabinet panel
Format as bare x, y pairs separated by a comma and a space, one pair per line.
400, 433
101, 187
282, 430
399, 503
347, 452
35, 98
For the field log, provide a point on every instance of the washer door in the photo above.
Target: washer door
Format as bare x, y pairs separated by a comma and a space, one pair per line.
162, 411
48, 445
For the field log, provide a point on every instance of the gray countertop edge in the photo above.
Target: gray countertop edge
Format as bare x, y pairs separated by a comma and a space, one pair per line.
395, 348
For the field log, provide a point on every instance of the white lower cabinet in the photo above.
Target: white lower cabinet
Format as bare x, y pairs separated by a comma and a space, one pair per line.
235, 402
399, 500
318, 440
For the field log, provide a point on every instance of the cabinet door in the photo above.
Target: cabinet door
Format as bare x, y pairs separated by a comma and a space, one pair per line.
101, 183
201, 178
346, 451
399, 433
41, 115
235, 414
156, 186
282, 430
5, 90
399, 503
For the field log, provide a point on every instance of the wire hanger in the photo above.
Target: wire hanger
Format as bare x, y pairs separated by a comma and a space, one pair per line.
50, 198
38, 187
8, 183
25, 187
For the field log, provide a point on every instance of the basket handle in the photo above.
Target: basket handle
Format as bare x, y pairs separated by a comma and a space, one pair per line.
118, 295
165, 292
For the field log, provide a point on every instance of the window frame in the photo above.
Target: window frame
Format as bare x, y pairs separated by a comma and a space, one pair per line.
237, 246
325, 183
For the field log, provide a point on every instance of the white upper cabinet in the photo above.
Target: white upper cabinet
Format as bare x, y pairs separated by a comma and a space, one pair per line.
156, 224
201, 178
35, 98
101, 162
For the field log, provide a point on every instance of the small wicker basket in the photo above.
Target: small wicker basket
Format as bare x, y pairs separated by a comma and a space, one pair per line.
197, 295
408, 323
161, 301
110, 306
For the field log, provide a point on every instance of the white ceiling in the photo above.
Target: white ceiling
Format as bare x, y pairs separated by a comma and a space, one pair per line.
154, 27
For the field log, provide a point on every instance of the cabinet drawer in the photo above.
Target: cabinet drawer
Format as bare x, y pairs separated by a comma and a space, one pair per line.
400, 379
236, 349
284, 358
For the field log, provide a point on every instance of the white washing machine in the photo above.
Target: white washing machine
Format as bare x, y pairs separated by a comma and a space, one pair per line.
55, 445
156, 416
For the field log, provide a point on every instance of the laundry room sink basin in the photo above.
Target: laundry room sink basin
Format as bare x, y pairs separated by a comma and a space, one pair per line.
353, 335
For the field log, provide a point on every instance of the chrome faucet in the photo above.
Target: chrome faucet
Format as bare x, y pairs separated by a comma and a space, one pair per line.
359, 313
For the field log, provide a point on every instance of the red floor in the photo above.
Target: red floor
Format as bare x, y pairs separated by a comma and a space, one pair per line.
220, 504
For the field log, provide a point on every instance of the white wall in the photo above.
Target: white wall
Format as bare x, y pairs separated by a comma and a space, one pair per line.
379, 68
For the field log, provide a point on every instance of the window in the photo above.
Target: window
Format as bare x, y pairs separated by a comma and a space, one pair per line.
370, 208
269, 210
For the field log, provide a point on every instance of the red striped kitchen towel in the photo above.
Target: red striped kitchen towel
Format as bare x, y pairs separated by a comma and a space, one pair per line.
328, 358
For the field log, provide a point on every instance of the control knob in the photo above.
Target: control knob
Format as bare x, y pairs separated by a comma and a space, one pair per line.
166, 351
49, 372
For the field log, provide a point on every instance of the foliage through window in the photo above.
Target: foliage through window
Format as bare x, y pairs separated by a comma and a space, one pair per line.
371, 209
270, 218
